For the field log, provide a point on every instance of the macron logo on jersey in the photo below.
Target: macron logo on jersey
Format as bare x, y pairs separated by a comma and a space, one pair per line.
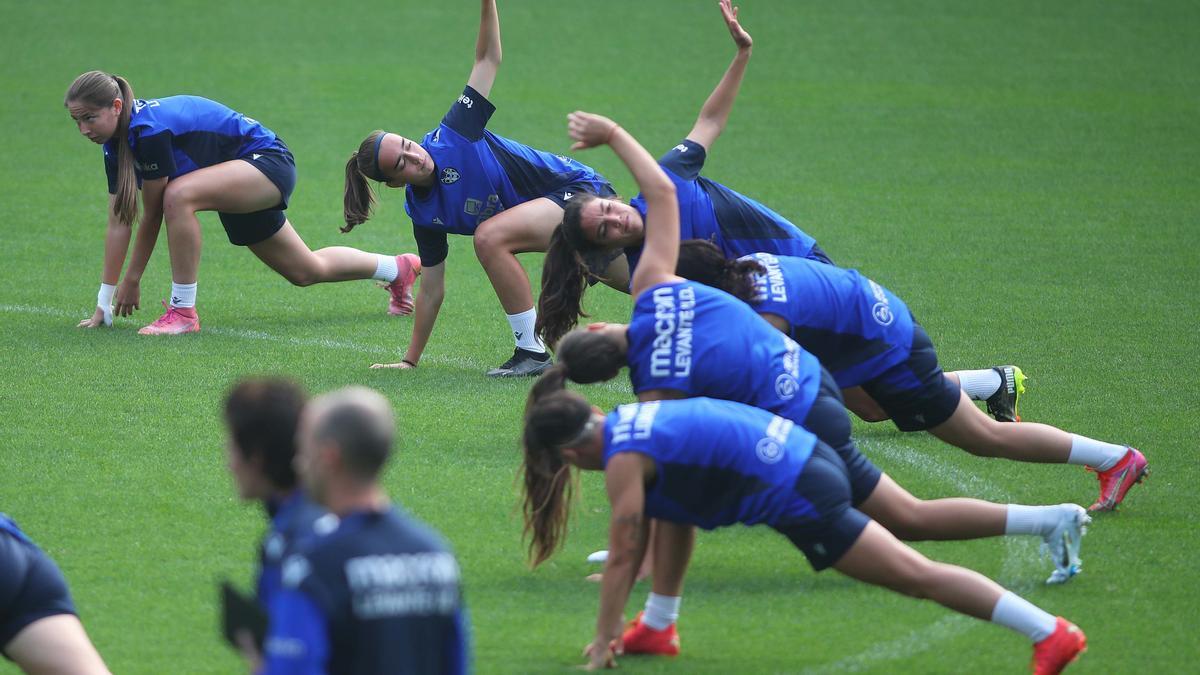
466, 100
567, 196
681, 148
672, 353
255, 155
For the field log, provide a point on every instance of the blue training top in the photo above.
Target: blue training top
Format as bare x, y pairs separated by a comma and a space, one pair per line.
857, 328
704, 342
380, 594
737, 224
479, 174
294, 522
717, 462
178, 134
9, 526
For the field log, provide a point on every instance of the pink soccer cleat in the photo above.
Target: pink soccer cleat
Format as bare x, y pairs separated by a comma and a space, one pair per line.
408, 267
1115, 482
1056, 652
176, 321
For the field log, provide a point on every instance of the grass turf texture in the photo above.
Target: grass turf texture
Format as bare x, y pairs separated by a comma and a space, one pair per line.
1022, 174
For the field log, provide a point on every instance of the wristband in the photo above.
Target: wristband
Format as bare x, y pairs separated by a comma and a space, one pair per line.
105, 296
104, 300
408, 362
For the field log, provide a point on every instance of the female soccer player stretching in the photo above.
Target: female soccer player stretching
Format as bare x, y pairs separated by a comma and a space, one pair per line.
597, 228
866, 336
463, 179
713, 463
190, 154
685, 339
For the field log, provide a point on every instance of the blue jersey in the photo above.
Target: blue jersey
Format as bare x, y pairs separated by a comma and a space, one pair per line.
178, 134
479, 174
380, 594
735, 223
717, 462
704, 342
9, 527
294, 522
857, 328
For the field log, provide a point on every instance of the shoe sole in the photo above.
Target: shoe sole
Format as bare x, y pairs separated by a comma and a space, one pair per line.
1114, 502
182, 332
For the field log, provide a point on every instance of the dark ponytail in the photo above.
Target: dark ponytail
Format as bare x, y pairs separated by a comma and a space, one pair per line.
358, 199
564, 278
702, 261
553, 416
99, 89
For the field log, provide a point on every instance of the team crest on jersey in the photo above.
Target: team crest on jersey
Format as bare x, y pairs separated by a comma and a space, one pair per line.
769, 450
450, 175
786, 386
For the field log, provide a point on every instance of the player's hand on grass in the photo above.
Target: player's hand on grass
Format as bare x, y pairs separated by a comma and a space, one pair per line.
402, 365
97, 319
740, 37
249, 650
600, 655
588, 130
129, 297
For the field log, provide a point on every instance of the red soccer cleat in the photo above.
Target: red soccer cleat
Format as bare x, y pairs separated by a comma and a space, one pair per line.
408, 268
642, 639
1115, 482
1056, 652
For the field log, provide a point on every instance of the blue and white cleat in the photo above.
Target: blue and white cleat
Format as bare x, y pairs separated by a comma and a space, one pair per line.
1062, 544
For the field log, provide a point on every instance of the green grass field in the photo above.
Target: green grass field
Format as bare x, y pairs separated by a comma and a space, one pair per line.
1023, 174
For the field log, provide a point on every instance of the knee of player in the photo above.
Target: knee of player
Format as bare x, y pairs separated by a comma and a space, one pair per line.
302, 277
489, 241
178, 198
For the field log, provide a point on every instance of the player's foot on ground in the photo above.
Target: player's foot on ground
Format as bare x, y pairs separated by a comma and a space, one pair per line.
408, 268
523, 363
1002, 405
176, 321
1115, 482
642, 639
1062, 545
1056, 652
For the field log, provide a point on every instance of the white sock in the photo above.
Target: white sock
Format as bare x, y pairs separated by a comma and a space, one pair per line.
1039, 520
1013, 611
979, 384
1099, 455
522, 328
661, 611
385, 268
183, 296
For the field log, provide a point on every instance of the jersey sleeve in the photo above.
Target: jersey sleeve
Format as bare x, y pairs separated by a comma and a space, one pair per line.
297, 638
110, 170
685, 160
457, 644
432, 245
154, 156
469, 114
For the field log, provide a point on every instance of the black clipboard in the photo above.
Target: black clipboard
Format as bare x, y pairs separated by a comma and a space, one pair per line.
240, 612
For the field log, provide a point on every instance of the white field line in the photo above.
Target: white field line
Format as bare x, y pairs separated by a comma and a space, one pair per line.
381, 353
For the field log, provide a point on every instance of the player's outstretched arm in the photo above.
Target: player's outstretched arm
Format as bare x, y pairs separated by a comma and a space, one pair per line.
715, 111
116, 244
487, 49
627, 537
427, 304
660, 251
129, 291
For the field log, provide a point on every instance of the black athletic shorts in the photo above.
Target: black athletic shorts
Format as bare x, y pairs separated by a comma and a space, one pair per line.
833, 525
31, 587
829, 421
278, 165
916, 394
